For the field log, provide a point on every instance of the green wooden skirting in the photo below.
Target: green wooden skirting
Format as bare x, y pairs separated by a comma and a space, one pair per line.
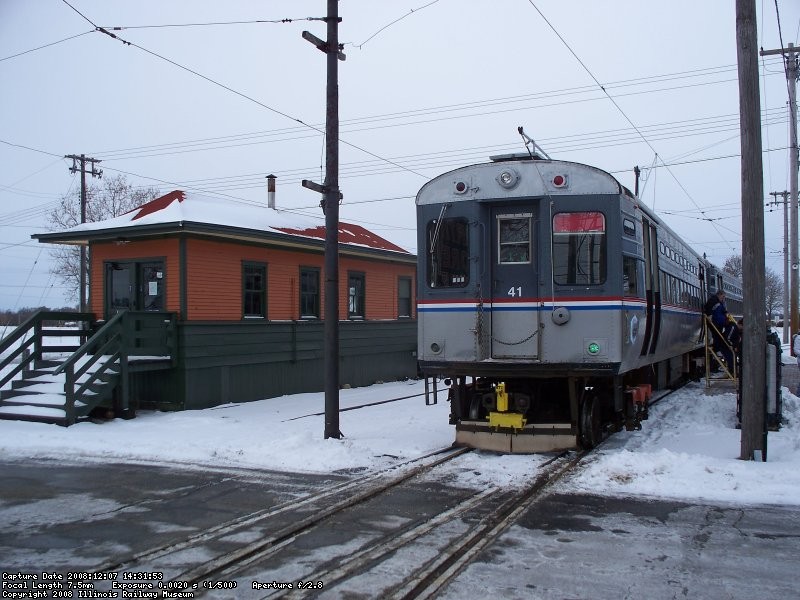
218, 363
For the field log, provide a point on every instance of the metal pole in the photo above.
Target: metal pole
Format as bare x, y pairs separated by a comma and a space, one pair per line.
330, 200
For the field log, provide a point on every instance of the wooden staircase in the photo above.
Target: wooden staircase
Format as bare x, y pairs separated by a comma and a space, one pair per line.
64, 384
39, 395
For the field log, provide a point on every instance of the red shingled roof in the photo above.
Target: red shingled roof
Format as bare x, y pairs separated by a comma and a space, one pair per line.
348, 234
194, 208
158, 204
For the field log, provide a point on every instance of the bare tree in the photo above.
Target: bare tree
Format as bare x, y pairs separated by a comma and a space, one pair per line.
734, 265
774, 292
772, 281
114, 197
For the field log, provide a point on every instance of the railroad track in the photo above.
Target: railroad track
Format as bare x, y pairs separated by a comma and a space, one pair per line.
482, 515
172, 560
491, 511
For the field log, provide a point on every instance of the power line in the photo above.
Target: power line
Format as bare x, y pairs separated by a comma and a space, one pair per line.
233, 91
214, 23
80, 13
29, 148
563, 143
281, 113
72, 37
238, 140
617, 106
385, 27
785, 59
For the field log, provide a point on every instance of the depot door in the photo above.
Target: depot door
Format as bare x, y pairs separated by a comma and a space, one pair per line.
134, 286
515, 318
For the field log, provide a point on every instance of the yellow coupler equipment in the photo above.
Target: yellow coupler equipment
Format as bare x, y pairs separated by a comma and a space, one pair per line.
502, 417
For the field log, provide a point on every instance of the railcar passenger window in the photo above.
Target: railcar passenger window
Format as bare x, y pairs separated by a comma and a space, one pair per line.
630, 276
514, 240
579, 248
448, 253
628, 226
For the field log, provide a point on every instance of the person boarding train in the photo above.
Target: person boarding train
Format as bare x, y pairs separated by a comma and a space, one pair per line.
724, 326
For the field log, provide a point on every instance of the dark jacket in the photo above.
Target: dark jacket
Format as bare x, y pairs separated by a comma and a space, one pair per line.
712, 303
715, 308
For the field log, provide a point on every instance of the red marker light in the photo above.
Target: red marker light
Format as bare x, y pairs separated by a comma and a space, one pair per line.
461, 187
559, 181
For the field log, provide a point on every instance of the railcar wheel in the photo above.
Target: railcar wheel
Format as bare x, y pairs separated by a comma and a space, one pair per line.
591, 423
475, 408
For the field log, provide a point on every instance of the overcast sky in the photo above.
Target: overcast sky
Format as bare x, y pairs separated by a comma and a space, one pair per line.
427, 86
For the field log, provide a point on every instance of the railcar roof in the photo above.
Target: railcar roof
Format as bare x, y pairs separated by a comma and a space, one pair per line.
535, 178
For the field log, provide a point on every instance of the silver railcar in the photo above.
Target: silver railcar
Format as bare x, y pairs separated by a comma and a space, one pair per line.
551, 302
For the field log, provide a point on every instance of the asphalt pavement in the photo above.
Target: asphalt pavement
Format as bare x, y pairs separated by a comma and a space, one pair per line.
74, 517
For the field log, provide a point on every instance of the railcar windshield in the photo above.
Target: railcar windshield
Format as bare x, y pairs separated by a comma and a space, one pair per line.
448, 253
579, 248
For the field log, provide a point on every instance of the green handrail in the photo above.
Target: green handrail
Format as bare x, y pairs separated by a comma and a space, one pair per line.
23, 349
110, 334
112, 344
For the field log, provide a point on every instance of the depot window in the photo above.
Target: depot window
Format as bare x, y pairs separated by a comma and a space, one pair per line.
447, 253
356, 295
254, 290
309, 293
403, 297
579, 248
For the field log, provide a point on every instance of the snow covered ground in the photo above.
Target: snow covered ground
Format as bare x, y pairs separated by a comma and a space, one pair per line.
687, 450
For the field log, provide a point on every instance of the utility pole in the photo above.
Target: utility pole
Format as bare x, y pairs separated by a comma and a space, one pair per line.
82, 159
790, 54
330, 206
754, 340
785, 202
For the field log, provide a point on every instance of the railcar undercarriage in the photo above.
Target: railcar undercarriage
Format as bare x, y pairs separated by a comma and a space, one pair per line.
541, 414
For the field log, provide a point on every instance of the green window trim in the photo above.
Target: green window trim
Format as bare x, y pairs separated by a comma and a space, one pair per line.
404, 298
309, 293
254, 290
356, 295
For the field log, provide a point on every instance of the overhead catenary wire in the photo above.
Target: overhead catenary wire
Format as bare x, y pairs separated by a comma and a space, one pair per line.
619, 108
373, 170
784, 57
388, 25
236, 92
28, 278
66, 39
213, 23
204, 186
763, 76
349, 126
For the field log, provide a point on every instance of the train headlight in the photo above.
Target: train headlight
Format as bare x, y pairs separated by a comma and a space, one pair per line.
508, 178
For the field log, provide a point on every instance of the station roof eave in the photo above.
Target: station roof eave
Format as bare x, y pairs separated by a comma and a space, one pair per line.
128, 233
